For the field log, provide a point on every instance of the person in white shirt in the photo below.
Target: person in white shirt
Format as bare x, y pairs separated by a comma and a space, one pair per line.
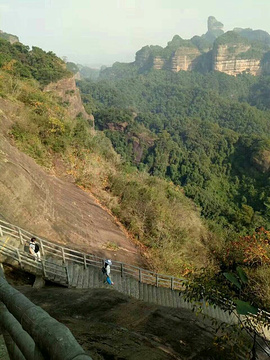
34, 249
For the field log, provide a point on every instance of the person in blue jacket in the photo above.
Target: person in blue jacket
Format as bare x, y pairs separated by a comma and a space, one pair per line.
107, 271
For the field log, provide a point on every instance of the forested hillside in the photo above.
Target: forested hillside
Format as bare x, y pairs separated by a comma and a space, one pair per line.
179, 139
155, 212
208, 134
18, 60
199, 132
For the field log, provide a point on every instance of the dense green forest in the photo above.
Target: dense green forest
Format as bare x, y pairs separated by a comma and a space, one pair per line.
208, 133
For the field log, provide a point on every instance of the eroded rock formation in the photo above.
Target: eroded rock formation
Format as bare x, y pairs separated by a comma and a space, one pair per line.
226, 59
184, 59
66, 89
233, 52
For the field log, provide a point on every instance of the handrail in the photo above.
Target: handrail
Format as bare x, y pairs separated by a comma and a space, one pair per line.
31, 333
45, 267
66, 254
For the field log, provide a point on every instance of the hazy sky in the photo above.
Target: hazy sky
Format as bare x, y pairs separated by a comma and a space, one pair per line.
104, 31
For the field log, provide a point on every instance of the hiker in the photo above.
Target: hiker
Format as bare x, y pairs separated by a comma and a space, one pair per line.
34, 249
107, 271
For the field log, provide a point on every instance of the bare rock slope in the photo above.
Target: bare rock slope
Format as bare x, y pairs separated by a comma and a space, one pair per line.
54, 208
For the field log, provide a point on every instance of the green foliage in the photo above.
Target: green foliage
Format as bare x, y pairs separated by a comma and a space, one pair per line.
200, 136
72, 67
244, 308
22, 62
232, 279
242, 275
231, 37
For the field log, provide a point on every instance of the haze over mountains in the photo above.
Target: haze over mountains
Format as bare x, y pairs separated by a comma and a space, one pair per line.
233, 52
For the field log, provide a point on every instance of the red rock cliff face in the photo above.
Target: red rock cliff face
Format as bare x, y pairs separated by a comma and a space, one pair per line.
66, 89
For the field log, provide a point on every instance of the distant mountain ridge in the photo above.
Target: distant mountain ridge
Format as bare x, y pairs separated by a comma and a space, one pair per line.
233, 52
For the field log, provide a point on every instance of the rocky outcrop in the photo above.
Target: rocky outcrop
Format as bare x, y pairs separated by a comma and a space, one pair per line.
184, 59
142, 56
66, 89
226, 59
158, 63
233, 52
215, 29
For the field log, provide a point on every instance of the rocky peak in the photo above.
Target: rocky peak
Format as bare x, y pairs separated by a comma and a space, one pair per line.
213, 24
215, 29
66, 89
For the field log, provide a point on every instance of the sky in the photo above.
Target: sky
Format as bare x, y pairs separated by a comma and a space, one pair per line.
100, 32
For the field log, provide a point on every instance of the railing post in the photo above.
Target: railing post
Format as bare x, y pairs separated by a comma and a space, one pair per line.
63, 255
84, 261
122, 269
20, 235
140, 275
172, 282
68, 278
41, 247
43, 268
1, 231
19, 257
156, 280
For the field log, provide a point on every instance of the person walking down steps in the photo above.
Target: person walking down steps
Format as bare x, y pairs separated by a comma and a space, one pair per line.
107, 271
34, 249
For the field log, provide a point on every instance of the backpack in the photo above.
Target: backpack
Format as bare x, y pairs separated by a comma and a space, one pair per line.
36, 248
103, 270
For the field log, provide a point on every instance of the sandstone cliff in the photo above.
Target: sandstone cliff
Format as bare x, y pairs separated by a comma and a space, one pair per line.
158, 63
184, 58
225, 59
234, 52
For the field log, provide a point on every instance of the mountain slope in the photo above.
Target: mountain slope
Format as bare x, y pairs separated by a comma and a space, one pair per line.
52, 207
43, 122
